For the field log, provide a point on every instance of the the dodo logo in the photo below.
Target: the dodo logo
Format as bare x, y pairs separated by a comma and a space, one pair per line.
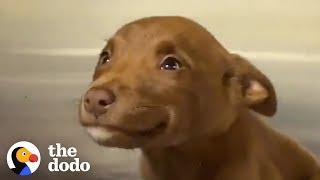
23, 158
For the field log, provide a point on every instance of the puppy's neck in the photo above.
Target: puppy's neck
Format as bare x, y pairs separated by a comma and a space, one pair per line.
209, 151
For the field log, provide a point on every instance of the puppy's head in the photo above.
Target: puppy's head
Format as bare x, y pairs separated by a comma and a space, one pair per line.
163, 80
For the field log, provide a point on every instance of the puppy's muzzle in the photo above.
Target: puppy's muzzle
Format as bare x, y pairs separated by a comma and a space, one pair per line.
114, 122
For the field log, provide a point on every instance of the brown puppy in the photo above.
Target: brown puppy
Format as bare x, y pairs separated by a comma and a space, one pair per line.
165, 85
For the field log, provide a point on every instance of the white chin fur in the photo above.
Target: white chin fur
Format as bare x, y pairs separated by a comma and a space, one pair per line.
99, 134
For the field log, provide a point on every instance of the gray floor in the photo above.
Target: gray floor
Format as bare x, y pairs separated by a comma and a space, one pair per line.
39, 96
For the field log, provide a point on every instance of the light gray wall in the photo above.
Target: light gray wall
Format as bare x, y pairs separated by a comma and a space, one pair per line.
273, 25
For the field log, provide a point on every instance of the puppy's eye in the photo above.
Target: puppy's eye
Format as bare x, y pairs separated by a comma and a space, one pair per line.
170, 63
105, 58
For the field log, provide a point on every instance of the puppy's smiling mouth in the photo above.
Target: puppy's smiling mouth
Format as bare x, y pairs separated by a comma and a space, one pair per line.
148, 132
136, 125
108, 133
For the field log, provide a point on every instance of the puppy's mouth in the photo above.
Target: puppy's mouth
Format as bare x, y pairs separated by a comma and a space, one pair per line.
98, 132
147, 132
134, 128
116, 136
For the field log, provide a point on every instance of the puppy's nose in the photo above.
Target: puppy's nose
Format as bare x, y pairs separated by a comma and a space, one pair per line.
97, 101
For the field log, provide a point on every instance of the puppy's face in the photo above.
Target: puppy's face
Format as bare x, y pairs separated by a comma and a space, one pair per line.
159, 82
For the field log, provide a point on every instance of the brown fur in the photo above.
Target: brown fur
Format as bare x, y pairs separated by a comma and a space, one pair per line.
198, 122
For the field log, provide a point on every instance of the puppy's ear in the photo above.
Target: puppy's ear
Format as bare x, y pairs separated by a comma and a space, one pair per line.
257, 90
